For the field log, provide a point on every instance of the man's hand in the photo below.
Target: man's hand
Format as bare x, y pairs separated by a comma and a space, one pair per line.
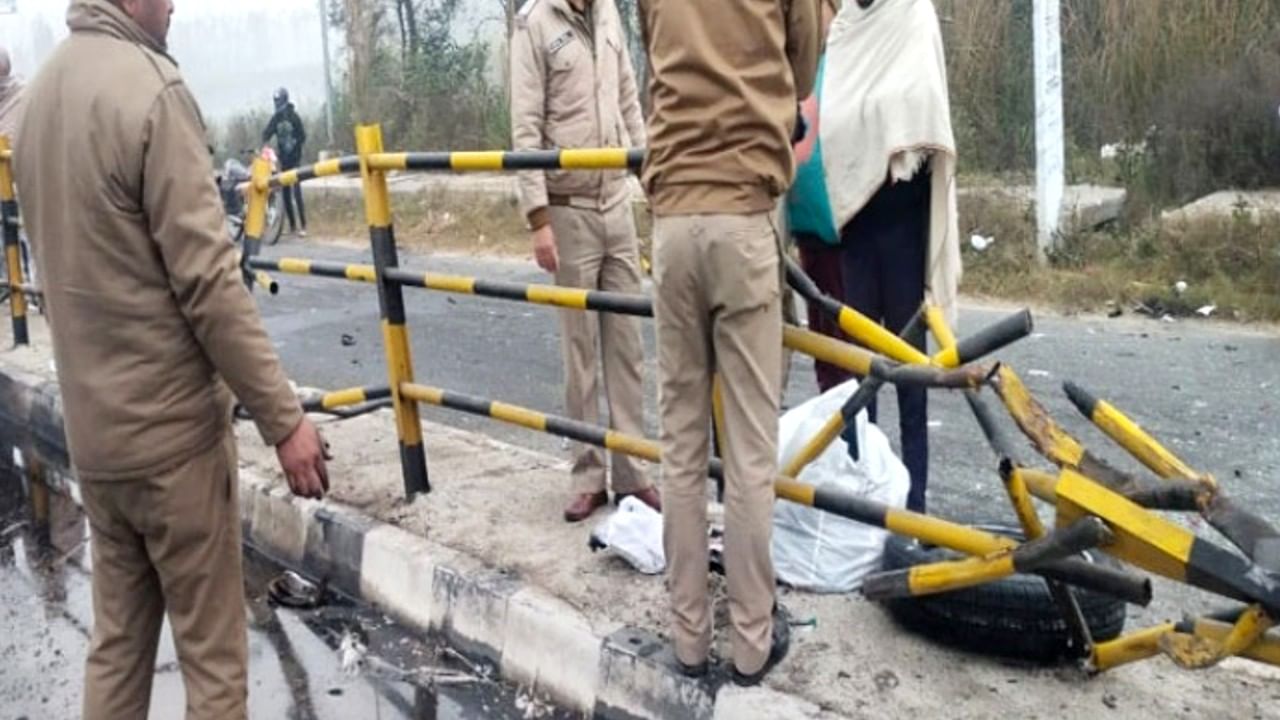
302, 457
544, 249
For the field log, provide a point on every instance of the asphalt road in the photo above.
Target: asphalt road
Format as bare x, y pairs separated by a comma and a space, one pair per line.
1211, 392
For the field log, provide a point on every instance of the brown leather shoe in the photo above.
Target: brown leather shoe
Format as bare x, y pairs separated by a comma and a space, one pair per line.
649, 496
584, 505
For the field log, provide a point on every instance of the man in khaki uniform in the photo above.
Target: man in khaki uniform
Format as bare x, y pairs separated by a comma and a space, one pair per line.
149, 316
572, 86
726, 79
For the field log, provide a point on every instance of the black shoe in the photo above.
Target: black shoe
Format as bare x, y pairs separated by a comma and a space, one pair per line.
778, 651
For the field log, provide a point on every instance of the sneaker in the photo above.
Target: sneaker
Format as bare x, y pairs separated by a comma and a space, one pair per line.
778, 651
302, 233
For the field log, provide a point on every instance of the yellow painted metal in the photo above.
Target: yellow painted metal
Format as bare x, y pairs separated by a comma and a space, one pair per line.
265, 281
1199, 650
328, 168
827, 349
1040, 484
594, 159
874, 335
934, 578
1253, 623
287, 178
814, 446
1141, 537
422, 393
947, 357
399, 372
937, 323
931, 530
1020, 497
7, 191
377, 204
476, 161
362, 273
255, 216
1128, 648
796, 492
518, 416
558, 296
717, 411
1266, 648
385, 161
1058, 446
633, 446
343, 398
450, 283
1129, 435
17, 298
294, 266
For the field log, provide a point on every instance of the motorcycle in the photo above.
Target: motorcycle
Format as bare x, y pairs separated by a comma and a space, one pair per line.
234, 174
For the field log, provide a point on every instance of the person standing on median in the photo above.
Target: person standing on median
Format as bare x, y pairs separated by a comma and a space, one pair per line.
150, 323
726, 81
572, 86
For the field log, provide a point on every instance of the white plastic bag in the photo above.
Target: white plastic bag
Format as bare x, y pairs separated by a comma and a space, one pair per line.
815, 550
633, 533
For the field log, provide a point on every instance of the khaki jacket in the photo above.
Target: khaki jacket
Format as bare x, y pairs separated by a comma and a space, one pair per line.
572, 86
144, 294
724, 83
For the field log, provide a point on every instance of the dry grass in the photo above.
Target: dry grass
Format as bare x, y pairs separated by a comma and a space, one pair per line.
1232, 263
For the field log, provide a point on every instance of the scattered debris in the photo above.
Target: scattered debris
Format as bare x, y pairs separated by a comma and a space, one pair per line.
1039, 373
1166, 318
531, 706
886, 680
1180, 287
347, 340
1231, 348
1110, 700
1206, 310
292, 590
980, 243
351, 654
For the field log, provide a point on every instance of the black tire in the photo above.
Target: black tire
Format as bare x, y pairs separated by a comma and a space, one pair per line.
275, 218
1015, 617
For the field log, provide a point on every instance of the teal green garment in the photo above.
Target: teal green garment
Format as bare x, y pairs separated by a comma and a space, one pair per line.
808, 207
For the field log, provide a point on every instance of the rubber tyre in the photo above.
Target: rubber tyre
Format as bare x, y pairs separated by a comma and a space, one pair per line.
275, 218
1014, 617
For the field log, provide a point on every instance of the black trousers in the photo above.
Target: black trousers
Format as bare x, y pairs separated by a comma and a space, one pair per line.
883, 271
293, 193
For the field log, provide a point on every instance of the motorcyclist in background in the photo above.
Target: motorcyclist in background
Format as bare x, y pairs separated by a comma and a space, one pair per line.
290, 135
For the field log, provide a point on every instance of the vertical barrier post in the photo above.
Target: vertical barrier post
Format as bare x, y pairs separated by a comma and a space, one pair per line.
255, 217
12, 252
377, 205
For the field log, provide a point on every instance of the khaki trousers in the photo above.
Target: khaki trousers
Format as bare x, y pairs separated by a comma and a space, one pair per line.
598, 252
719, 311
168, 544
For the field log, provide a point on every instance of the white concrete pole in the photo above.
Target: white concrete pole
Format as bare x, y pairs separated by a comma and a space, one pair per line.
1050, 153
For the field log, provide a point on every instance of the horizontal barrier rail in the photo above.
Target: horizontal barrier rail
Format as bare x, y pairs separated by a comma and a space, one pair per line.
926, 528
458, 162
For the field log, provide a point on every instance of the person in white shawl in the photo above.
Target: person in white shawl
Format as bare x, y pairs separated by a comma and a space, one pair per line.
11, 96
889, 158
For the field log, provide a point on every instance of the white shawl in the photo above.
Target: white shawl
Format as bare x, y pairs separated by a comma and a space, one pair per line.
885, 110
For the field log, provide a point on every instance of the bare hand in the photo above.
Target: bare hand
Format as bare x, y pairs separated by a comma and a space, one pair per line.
544, 249
302, 457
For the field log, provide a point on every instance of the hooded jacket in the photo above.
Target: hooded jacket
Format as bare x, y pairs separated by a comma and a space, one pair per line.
146, 304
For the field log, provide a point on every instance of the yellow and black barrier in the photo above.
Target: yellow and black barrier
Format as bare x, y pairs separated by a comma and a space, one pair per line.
12, 250
413, 457
929, 529
325, 168
1028, 557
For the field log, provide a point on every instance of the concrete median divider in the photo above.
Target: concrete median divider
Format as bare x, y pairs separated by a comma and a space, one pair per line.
495, 618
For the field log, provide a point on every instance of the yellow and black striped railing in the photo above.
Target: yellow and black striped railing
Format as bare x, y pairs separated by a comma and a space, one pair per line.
12, 249
462, 162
